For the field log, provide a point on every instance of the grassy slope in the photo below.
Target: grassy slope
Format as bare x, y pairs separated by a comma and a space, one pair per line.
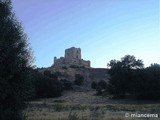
86, 106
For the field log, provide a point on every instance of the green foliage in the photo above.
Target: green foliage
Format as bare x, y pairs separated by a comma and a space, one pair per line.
78, 79
46, 87
129, 76
146, 83
99, 90
93, 85
30, 85
74, 66
64, 67
121, 74
102, 84
15, 60
66, 85
49, 74
57, 73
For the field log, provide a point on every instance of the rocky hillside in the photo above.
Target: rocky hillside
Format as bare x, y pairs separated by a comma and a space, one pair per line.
89, 74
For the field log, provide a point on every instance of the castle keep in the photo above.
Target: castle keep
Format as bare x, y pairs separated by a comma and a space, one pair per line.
71, 64
72, 58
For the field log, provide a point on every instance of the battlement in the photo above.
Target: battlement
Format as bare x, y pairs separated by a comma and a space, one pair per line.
72, 57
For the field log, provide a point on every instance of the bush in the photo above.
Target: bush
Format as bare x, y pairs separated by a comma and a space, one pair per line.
74, 66
102, 84
64, 67
99, 90
46, 87
49, 74
78, 79
93, 85
66, 85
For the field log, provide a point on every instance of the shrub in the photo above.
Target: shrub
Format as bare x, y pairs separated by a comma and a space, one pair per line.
99, 90
66, 85
93, 85
78, 79
74, 66
46, 87
49, 74
64, 67
102, 84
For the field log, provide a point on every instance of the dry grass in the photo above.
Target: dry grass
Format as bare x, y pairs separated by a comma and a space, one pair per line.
86, 106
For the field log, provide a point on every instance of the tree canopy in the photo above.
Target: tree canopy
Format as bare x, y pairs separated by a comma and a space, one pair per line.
15, 60
121, 74
128, 76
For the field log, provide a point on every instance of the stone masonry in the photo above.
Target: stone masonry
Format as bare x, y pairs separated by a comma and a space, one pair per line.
72, 58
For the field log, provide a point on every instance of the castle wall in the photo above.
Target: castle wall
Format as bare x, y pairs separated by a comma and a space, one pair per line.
85, 63
59, 62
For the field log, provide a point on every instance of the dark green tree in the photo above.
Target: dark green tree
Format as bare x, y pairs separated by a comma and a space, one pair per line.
15, 60
146, 83
121, 74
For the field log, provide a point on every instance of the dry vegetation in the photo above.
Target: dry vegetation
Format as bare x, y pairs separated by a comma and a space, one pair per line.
87, 106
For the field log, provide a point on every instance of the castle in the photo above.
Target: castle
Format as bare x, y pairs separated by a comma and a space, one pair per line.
72, 58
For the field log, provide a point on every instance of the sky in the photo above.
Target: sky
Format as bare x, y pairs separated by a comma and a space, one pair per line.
103, 29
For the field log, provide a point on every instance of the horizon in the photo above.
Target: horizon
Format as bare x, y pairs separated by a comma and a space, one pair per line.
104, 30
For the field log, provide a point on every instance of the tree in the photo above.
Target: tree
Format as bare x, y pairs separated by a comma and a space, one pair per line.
146, 83
121, 74
130, 62
15, 60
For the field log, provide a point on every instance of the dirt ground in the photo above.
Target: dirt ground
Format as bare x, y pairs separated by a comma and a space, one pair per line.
73, 97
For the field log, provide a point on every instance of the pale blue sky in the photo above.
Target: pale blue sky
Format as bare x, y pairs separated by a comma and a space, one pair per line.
103, 29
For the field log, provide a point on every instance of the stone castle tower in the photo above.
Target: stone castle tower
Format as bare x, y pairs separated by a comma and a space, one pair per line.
72, 57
